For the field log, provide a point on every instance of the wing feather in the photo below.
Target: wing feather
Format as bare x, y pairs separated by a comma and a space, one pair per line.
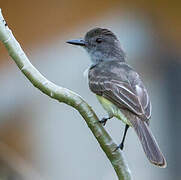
120, 84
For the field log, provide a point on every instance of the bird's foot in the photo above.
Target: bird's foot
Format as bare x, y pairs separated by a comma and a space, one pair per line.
103, 121
121, 146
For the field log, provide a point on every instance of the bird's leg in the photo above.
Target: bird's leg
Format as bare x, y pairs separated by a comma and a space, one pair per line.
104, 120
122, 142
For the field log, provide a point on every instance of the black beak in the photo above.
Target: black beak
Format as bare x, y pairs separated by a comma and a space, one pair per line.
79, 42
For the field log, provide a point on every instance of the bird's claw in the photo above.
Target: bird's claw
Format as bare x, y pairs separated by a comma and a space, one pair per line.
103, 121
119, 147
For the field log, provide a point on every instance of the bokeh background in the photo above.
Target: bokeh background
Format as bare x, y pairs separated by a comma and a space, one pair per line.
41, 139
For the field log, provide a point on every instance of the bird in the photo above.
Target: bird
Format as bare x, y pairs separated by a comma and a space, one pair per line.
119, 89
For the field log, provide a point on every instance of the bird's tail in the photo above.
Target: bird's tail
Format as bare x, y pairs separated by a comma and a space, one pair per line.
149, 143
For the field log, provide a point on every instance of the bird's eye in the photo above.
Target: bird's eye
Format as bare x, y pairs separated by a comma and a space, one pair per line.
99, 40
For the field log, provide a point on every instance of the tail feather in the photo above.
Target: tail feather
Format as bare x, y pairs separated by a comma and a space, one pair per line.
149, 143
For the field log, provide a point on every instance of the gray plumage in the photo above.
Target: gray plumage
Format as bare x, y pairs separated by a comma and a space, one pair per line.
119, 83
119, 88
102, 45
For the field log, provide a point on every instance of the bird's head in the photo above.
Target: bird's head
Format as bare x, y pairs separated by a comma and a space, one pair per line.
101, 45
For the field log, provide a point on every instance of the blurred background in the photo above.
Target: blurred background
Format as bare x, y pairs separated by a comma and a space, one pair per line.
42, 139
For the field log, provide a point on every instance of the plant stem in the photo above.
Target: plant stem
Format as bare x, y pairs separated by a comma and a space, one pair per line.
66, 96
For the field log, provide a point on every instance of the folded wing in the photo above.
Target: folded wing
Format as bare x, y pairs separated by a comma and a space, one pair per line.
120, 84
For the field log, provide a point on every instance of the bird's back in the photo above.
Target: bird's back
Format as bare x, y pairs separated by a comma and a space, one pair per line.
120, 84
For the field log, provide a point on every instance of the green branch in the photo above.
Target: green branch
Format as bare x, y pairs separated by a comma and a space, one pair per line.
66, 96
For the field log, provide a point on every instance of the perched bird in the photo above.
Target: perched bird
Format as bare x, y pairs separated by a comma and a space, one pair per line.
119, 89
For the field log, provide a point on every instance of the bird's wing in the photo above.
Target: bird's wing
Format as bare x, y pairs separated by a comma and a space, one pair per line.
121, 85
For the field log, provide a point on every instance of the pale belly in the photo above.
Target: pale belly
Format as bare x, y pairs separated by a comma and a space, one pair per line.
113, 110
